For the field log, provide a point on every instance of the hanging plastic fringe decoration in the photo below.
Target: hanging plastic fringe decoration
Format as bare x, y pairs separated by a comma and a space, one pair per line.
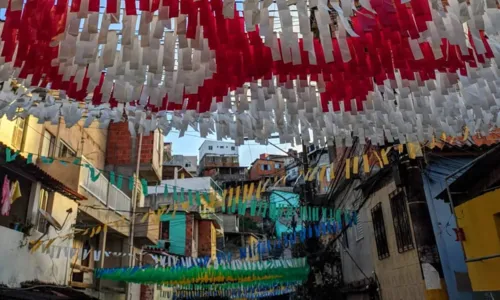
244, 272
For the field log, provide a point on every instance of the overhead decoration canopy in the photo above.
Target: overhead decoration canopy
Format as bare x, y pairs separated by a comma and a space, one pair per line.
317, 70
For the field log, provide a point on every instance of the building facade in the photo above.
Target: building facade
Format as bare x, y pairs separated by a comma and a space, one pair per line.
268, 166
81, 197
189, 163
217, 148
473, 196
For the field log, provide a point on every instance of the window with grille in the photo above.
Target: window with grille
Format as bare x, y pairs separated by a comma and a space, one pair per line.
18, 134
401, 219
359, 229
379, 231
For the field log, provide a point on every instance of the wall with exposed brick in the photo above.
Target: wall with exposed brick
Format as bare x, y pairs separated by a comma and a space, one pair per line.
189, 235
205, 238
122, 149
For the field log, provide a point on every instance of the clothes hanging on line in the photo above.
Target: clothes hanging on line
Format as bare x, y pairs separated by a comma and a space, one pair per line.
15, 192
6, 197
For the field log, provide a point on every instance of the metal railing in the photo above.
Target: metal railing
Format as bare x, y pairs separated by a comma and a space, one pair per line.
103, 191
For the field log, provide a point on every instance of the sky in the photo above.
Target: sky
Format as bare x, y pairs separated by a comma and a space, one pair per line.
191, 142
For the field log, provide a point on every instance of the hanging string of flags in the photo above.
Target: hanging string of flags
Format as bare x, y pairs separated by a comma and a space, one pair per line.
238, 291
237, 271
375, 70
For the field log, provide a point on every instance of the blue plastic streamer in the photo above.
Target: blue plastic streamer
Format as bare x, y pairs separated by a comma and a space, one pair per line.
9, 157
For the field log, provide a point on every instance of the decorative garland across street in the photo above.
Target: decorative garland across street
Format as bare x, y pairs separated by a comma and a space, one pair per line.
254, 291
379, 71
244, 273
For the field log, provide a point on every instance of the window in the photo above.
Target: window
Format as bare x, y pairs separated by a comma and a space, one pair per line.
235, 160
233, 148
18, 134
48, 144
165, 229
264, 167
45, 203
359, 229
65, 150
188, 164
277, 166
401, 221
379, 231
210, 148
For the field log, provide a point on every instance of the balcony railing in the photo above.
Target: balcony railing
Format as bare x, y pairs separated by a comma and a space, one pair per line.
103, 191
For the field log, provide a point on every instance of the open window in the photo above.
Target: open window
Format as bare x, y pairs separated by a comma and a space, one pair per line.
45, 202
65, 150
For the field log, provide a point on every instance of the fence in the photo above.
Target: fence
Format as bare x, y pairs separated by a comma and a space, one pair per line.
105, 192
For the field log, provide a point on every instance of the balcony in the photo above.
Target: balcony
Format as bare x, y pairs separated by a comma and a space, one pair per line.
62, 170
104, 191
148, 231
208, 162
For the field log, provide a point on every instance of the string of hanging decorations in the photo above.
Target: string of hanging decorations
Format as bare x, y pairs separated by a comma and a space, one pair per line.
379, 71
252, 273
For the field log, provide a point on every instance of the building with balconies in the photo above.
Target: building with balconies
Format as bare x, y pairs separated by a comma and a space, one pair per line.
62, 172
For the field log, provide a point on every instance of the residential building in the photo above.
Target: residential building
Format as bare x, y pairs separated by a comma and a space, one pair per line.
217, 148
243, 246
268, 166
437, 174
23, 222
383, 252
219, 160
472, 193
189, 163
80, 196
193, 229
122, 153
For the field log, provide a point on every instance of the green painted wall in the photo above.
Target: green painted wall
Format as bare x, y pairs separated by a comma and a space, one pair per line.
177, 232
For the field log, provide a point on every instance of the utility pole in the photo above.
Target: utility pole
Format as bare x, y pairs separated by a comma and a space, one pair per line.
133, 205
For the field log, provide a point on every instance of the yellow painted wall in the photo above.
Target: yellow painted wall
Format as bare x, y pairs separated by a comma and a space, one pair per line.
480, 225
400, 274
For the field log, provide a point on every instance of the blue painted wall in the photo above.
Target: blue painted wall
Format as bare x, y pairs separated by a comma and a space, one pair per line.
279, 197
177, 232
443, 222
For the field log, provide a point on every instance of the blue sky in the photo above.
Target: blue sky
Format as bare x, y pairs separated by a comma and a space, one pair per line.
191, 142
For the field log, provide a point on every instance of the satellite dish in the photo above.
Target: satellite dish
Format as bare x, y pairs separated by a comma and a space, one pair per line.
50, 219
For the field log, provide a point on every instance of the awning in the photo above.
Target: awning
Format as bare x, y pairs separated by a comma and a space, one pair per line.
480, 175
20, 165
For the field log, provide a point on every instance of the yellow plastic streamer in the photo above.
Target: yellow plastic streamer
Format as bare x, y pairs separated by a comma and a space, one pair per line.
379, 160
348, 168
332, 171
385, 160
366, 164
355, 165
